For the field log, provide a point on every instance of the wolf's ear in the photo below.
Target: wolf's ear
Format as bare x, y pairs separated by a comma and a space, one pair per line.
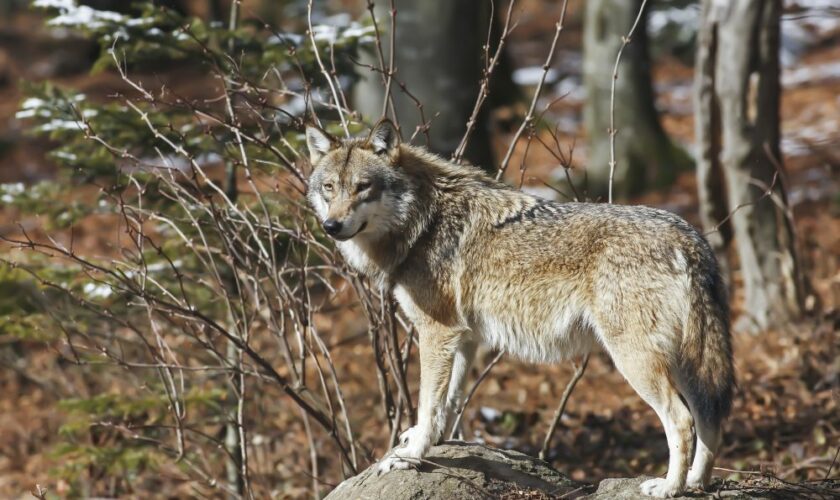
318, 142
384, 137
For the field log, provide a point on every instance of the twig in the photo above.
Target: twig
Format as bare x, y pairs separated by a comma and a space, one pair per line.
624, 41
833, 461
481, 377
579, 369
484, 90
768, 191
529, 117
386, 72
324, 71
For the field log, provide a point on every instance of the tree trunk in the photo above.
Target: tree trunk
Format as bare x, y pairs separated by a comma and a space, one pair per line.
710, 185
440, 59
738, 80
644, 155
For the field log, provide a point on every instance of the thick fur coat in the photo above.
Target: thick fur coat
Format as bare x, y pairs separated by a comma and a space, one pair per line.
472, 261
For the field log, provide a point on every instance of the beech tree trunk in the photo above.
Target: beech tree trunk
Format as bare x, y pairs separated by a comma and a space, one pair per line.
440, 58
739, 162
645, 156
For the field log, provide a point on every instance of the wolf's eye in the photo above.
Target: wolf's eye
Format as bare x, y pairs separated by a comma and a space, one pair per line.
328, 187
362, 186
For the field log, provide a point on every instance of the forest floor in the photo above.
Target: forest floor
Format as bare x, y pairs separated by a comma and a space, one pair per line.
786, 415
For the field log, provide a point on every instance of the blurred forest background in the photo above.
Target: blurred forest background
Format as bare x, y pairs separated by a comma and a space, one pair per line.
173, 323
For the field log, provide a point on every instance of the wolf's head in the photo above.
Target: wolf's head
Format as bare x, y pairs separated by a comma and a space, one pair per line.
355, 187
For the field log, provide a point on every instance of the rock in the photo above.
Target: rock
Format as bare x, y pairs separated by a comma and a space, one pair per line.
465, 471
461, 471
628, 489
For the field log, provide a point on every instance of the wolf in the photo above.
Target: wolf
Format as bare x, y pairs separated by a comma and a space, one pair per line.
473, 261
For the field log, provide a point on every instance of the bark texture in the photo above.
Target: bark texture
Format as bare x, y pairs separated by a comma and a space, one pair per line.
440, 58
644, 154
739, 162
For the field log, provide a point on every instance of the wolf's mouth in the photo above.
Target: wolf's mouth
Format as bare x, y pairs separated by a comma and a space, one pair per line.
345, 238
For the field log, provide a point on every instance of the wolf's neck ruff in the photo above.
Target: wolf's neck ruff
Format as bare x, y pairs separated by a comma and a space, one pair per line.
438, 194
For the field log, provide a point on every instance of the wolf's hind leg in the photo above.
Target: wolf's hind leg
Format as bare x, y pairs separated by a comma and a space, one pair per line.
648, 373
708, 441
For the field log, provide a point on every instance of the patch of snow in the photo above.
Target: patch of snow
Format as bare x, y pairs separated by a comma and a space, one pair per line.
285, 39
10, 191
358, 31
802, 140
530, 76
340, 19
29, 113
324, 33
97, 290
811, 4
163, 266
60, 125
686, 18
331, 33
12, 188
542, 191
808, 23
572, 88
489, 414
140, 21
32, 102
54, 4
65, 155
80, 16
296, 105
811, 74
86, 17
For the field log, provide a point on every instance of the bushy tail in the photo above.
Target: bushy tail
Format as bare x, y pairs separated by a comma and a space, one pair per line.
707, 374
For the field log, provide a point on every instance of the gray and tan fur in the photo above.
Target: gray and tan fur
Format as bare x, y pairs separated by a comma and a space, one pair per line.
472, 261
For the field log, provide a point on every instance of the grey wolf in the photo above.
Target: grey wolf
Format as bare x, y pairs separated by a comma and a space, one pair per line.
471, 260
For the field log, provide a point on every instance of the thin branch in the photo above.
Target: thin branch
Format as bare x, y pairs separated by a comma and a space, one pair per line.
481, 377
529, 117
484, 90
613, 131
579, 369
324, 71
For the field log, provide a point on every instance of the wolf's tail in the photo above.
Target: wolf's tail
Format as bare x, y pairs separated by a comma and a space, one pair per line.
707, 374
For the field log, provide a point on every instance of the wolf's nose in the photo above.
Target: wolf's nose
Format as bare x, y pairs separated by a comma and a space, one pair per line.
332, 227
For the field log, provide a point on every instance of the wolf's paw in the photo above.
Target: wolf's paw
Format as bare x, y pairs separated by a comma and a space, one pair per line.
410, 435
414, 443
660, 488
695, 481
394, 462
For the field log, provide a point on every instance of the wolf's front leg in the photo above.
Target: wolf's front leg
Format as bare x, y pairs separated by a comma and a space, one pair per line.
438, 345
464, 357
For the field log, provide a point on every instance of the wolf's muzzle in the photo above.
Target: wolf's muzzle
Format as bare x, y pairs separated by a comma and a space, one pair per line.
332, 227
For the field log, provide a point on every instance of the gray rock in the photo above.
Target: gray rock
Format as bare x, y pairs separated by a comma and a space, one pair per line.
461, 471
628, 489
